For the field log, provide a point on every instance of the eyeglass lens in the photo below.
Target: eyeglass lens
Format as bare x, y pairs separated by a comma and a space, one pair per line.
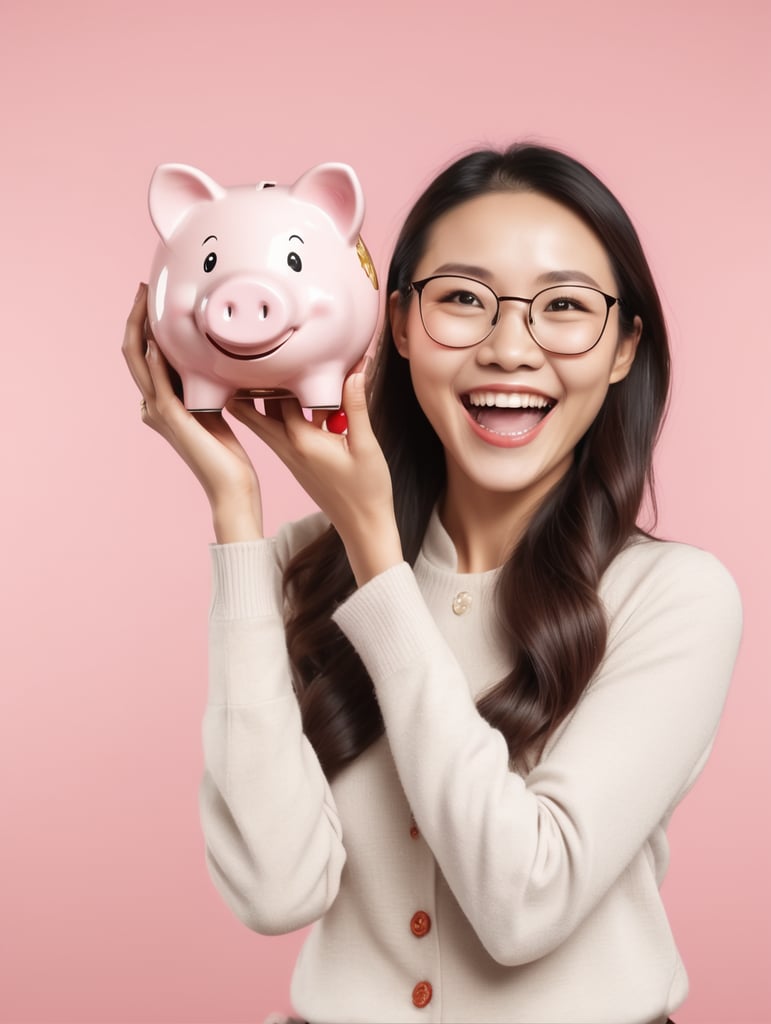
460, 312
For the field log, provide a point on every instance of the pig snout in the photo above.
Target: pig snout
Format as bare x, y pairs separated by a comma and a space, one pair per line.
246, 317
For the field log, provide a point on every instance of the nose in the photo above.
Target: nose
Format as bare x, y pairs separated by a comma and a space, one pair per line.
245, 312
510, 344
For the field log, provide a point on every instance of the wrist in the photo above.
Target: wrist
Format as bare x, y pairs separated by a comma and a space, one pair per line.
374, 548
235, 521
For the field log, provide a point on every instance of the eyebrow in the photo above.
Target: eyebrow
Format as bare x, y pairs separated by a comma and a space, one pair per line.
207, 239
560, 276
548, 277
465, 270
298, 238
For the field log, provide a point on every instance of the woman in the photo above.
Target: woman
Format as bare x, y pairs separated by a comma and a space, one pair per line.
451, 727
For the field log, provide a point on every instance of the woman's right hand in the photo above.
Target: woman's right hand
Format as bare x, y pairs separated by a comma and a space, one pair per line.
203, 439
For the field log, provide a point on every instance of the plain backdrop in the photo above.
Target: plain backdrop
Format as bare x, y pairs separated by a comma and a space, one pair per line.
108, 914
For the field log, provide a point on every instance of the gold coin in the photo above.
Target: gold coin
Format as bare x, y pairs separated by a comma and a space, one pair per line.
366, 261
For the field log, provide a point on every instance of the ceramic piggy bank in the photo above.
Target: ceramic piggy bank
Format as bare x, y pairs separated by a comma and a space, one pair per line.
261, 289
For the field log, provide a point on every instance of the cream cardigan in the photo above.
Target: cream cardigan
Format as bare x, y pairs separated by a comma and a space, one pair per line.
444, 885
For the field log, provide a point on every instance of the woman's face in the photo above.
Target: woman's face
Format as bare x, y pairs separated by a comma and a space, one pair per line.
515, 242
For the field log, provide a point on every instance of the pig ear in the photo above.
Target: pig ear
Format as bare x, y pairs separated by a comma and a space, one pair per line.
336, 189
174, 189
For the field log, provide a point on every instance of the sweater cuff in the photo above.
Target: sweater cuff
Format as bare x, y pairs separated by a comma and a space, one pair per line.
387, 622
246, 580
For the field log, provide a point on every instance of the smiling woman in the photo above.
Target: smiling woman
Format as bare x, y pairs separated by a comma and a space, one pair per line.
558, 349
451, 715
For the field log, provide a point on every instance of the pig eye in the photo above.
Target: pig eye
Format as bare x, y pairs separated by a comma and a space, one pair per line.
210, 262
294, 261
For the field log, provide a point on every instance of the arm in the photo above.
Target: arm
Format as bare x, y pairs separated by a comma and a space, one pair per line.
528, 859
274, 845
273, 838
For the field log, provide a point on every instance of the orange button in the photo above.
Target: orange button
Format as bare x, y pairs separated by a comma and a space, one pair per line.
421, 994
420, 924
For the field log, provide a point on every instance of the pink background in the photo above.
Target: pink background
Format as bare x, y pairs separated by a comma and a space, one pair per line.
108, 912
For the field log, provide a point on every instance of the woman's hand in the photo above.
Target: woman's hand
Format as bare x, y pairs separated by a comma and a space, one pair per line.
346, 475
203, 440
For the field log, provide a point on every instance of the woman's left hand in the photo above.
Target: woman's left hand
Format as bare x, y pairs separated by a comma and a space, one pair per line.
345, 474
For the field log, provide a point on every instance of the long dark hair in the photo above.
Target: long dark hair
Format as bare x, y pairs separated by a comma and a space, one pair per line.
548, 589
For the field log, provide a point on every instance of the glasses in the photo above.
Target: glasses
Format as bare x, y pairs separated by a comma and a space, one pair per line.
565, 319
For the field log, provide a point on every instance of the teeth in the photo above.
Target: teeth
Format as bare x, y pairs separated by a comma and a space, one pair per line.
508, 400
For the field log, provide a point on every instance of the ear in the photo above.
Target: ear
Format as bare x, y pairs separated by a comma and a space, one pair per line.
174, 189
397, 312
626, 350
336, 189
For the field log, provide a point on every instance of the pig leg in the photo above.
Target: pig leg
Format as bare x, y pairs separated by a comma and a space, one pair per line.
203, 395
320, 388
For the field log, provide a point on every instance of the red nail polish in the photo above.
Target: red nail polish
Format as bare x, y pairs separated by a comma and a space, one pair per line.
337, 422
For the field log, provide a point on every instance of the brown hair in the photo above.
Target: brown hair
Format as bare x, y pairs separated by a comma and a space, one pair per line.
548, 589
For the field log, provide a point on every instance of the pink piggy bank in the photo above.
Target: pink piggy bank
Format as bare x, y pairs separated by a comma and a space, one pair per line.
261, 290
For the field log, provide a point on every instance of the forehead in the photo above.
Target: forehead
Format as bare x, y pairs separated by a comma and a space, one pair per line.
515, 233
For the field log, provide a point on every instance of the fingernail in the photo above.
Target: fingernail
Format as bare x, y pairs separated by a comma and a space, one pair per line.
140, 289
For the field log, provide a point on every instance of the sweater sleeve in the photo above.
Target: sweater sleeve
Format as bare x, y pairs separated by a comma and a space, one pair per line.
528, 858
273, 838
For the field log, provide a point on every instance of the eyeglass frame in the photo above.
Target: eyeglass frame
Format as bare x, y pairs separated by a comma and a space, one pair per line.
418, 286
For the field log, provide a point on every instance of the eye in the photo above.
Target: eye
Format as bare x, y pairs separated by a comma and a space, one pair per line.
210, 262
560, 305
294, 261
461, 298
575, 299
568, 303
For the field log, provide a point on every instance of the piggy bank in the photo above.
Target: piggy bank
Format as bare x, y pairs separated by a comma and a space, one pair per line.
261, 290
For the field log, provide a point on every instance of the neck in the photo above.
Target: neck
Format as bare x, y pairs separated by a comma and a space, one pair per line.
484, 530
486, 526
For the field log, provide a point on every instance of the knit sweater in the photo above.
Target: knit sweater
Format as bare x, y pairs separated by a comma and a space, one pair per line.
444, 885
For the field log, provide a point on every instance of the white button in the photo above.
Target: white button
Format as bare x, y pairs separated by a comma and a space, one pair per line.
461, 602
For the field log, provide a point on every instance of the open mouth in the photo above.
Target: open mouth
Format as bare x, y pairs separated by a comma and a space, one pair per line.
260, 355
509, 414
